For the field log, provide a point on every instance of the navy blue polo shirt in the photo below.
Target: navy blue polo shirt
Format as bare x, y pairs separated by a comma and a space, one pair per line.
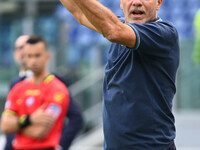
139, 86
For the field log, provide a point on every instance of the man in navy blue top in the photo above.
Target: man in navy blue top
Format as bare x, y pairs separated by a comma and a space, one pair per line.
139, 82
74, 115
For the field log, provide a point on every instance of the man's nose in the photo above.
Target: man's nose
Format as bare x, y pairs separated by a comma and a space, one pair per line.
137, 3
33, 60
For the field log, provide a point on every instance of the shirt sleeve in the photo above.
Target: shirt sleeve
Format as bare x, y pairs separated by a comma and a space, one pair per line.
57, 102
12, 100
154, 38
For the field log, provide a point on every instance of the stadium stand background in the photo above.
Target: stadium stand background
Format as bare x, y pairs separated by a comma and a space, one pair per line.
79, 54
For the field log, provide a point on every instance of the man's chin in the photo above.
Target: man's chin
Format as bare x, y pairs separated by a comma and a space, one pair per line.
139, 21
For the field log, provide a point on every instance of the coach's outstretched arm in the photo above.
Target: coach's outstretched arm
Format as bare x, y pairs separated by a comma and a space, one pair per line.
103, 20
77, 13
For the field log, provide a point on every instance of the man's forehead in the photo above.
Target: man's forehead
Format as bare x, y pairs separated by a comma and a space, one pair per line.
38, 45
35, 48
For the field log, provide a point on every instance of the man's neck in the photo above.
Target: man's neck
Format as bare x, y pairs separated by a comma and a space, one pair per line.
39, 78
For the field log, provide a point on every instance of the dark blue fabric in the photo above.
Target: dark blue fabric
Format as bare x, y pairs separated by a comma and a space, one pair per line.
16, 80
139, 86
70, 129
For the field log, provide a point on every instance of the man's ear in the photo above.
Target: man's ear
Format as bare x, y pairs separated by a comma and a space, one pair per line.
159, 2
48, 56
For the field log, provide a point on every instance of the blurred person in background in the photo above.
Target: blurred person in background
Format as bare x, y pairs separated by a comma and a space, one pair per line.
74, 116
36, 107
196, 51
24, 72
139, 82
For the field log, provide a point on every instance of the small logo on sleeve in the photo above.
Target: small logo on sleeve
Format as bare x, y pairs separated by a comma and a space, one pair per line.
7, 104
58, 97
54, 109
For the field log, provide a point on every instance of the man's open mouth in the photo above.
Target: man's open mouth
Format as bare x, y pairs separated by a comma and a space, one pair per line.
138, 12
